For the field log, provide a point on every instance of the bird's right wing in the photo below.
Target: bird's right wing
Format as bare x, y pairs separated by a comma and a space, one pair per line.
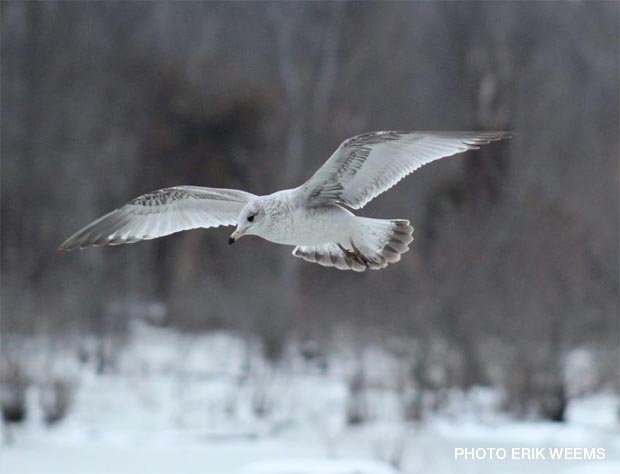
161, 213
366, 165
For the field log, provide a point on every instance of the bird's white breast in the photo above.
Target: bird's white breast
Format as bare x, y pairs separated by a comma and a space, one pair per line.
292, 223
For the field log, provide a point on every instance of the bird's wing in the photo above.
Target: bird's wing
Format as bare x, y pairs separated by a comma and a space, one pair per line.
160, 213
366, 165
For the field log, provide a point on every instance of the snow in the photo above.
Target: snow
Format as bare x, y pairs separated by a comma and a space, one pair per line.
210, 404
323, 466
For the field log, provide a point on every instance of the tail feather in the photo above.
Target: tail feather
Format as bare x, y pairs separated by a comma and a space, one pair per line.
374, 243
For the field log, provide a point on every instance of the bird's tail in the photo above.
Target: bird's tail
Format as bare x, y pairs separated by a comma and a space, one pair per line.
373, 243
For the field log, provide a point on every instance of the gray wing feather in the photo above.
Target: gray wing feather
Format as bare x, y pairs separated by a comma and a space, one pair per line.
161, 213
367, 165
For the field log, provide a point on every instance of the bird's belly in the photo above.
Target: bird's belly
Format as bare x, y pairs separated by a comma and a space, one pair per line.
315, 227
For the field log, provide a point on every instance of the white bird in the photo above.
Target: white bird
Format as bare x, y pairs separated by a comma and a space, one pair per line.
312, 217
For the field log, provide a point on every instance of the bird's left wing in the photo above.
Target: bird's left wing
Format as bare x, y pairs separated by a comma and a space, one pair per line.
161, 213
366, 165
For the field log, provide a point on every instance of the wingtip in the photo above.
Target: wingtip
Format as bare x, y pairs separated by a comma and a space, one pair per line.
65, 247
488, 137
71, 244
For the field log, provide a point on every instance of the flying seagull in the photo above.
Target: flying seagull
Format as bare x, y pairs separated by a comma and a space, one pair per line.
314, 217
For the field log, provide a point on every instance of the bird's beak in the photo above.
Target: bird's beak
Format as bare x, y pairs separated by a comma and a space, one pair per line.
236, 235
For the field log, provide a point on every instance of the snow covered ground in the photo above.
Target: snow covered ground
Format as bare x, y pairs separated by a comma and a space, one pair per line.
204, 404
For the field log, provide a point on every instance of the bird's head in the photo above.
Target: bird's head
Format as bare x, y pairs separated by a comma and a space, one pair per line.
251, 220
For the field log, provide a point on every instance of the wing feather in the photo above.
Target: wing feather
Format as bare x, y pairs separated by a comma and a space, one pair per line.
161, 213
367, 165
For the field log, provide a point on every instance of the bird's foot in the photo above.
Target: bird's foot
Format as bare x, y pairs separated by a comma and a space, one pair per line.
356, 255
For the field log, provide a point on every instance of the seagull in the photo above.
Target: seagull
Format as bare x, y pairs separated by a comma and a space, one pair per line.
314, 217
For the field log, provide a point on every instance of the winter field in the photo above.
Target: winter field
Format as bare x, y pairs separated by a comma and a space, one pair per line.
204, 404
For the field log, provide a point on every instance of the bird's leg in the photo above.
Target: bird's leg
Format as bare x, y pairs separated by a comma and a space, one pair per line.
356, 255
366, 260
351, 254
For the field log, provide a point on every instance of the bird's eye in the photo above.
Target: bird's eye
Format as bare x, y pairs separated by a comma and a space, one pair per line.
251, 217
